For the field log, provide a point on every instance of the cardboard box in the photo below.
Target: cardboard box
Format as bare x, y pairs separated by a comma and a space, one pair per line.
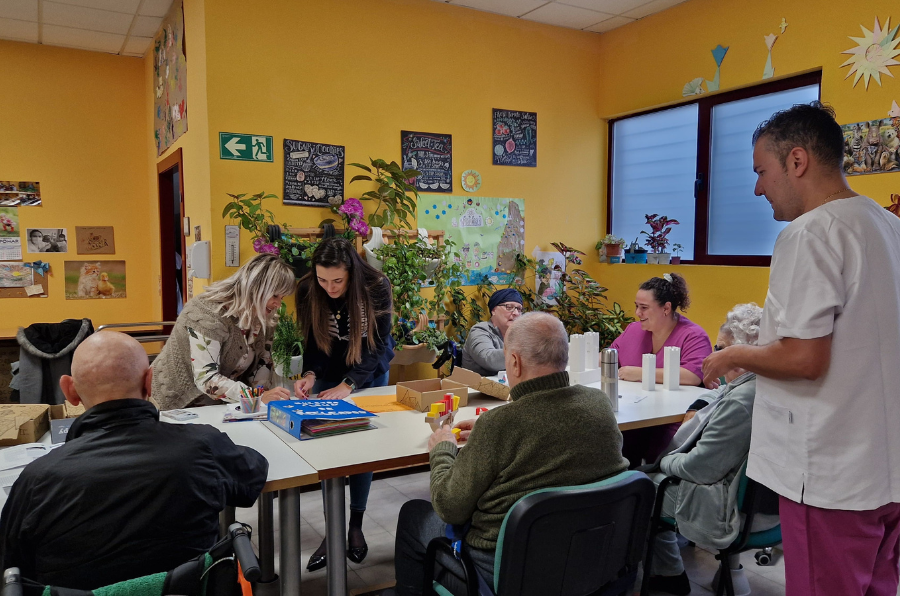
472, 379
61, 418
23, 423
65, 410
421, 394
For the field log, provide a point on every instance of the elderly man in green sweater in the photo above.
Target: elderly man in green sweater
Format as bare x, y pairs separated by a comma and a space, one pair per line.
552, 434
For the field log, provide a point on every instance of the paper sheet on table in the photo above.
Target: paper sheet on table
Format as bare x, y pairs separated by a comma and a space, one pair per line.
20, 456
380, 403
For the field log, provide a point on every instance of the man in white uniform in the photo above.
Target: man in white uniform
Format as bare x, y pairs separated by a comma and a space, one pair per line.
826, 424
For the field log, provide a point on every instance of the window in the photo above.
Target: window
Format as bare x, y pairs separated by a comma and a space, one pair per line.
694, 163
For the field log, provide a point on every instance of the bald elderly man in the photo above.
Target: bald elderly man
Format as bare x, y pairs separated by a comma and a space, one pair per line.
126, 495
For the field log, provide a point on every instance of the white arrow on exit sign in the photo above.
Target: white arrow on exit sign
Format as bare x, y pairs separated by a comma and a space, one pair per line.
235, 146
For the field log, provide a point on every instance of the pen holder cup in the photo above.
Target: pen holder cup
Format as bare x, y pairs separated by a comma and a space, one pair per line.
250, 405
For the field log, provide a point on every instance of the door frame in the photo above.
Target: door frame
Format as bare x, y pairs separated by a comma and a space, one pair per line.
166, 242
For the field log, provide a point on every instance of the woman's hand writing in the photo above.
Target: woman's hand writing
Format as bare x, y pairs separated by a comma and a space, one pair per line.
303, 386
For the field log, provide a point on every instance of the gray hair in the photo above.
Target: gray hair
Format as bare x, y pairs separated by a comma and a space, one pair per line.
540, 339
244, 294
742, 323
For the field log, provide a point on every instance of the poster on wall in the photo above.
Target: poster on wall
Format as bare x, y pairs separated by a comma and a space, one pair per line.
550, 267
430, 154
313, 173
515, 138
169, 80
10, 243
488, 232
95, 240
872, 147
15, 275
95, 279
46, 240
20, 194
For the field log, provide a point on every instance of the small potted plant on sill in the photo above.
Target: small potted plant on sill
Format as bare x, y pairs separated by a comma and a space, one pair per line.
657, 238
610, 247
636, 254
287, 347
676, 254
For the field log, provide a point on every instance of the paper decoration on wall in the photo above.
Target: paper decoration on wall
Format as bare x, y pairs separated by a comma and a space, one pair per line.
431, 154
783, 25
313, 173
10, 243
471, 180
95, 240
170, 80
39, 267
15, 275
46, 240
769, 71
875, 51
95, 279
694, 87
548, 277
718, 53
894, 207
871, 147
20, 194
488, 232
895, 110
515, 138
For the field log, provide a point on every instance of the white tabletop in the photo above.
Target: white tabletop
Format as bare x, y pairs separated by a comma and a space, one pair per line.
286, 468
401, 438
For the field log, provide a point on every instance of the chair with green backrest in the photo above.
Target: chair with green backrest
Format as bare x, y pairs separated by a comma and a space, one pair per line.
565, 541
753, 498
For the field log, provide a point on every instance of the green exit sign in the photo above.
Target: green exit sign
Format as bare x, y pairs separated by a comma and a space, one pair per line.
243, 147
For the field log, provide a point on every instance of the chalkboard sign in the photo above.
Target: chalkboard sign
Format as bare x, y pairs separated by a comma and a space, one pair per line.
430, 154
313, 173
515, 138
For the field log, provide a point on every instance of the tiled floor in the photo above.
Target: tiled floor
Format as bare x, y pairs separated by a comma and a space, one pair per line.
380, 524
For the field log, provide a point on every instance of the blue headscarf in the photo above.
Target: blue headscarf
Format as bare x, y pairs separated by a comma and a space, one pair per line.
502, 297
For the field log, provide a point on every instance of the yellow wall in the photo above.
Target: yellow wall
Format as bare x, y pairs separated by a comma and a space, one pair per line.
356, 72
646, 64
74, 121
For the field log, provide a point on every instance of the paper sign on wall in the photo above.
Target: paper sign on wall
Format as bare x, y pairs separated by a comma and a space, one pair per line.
95, 240
95, 279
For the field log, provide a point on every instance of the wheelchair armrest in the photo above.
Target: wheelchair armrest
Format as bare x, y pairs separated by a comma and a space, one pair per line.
660, 494
443, 544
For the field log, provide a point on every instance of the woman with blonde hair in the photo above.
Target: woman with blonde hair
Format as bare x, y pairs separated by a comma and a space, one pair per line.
222, 340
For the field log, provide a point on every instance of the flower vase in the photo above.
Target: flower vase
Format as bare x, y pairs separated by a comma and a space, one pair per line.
293, 370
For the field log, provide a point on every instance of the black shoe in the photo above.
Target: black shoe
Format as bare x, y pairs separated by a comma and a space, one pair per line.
318, 559
357, 555
679, 585
357, 549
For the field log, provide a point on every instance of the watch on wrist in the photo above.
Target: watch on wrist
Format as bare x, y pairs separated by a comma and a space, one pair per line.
349, 383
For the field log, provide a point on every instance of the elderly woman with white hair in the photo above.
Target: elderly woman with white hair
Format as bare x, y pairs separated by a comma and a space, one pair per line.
707, 453
221, 343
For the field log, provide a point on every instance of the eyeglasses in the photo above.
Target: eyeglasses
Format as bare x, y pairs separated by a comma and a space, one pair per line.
510, 307
717, 347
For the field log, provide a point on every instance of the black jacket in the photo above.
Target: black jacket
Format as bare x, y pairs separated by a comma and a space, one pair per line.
126, 496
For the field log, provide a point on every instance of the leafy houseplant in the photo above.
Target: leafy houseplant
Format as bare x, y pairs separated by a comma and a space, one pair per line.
676, 254
657, 237
635, 254
260, 222
287, 345
612, 245
393, 197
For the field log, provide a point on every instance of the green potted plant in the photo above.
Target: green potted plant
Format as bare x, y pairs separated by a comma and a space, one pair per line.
610, 247
287, 347
657, 238
676, 254
635, 254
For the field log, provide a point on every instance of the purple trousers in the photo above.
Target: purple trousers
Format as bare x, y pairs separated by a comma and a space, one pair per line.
835, 552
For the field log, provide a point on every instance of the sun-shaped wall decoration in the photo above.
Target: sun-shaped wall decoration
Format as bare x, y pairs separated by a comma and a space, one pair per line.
875, 51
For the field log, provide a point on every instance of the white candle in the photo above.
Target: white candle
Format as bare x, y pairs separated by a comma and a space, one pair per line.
671, 368
648, 372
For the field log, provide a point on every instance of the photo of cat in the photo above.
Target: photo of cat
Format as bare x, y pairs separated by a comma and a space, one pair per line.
87, 280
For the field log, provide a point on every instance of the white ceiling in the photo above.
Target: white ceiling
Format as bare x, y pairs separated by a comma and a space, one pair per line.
124, 27
598, 16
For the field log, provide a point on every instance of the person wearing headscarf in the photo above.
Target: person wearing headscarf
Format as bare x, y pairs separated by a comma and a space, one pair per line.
483, 352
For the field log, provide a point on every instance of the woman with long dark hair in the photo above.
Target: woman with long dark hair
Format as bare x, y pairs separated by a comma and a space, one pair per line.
344, 307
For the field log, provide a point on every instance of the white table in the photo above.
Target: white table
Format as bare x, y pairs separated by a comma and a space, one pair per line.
401, 439
287, 473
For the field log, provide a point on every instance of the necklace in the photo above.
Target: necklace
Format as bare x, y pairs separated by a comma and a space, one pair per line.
828, 198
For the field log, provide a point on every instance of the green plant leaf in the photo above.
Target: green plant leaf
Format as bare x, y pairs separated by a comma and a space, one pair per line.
360, 177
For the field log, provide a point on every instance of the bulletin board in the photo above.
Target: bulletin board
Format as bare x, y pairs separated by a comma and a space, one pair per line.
20, 292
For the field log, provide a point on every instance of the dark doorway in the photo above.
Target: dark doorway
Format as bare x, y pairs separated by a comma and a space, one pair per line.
173, 268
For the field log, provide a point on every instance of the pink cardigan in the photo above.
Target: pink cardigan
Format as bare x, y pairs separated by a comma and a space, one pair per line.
690, 337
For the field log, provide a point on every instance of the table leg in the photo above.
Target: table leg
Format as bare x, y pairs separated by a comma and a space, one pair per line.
226, 518
336, 536
265, 537
289, 558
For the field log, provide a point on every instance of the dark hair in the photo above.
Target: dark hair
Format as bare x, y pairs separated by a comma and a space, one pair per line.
810, 126
663, 290
367, 295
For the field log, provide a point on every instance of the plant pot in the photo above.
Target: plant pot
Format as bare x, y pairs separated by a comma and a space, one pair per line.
636, 257
659, 258
412, 355
613, 250
675, 261
283, 377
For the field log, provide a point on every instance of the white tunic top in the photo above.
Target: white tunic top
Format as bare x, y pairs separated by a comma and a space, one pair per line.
834, 442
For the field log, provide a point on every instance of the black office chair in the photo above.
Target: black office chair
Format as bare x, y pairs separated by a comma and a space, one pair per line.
753, 498
566, 541
212, 574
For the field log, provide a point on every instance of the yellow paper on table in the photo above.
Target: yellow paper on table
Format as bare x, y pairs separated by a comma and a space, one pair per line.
378, 404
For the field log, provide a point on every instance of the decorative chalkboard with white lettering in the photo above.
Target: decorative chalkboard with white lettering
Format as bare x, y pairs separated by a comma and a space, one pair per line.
313, 173
515, 138
430, 154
